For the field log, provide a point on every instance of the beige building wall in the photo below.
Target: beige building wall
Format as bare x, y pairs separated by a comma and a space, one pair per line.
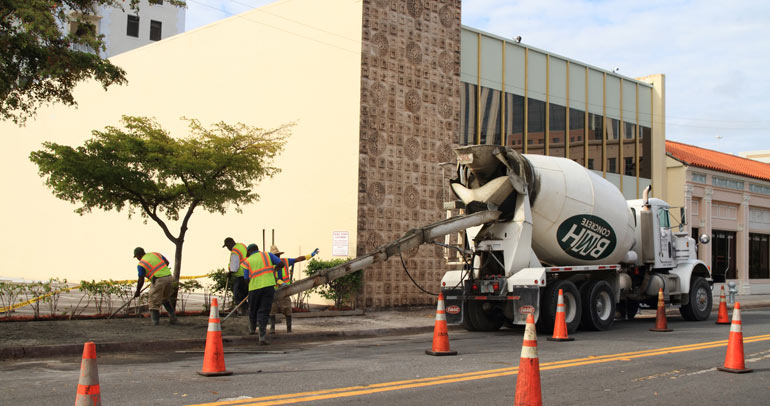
293, 61
658, 82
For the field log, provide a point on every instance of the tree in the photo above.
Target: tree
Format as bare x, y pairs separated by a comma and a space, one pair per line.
39, 62
143, 169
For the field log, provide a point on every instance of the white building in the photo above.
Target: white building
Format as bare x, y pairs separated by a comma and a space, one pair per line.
761, 155
125, 29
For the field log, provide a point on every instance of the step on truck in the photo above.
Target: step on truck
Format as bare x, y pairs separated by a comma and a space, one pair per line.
563, 227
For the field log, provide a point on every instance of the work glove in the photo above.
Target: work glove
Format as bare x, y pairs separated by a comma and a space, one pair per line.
137, 293
283, 286
312, 254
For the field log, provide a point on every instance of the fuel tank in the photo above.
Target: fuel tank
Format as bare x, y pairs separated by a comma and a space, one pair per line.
578, 217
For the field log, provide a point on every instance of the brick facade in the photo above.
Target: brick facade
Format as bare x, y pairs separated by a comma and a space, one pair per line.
410, 101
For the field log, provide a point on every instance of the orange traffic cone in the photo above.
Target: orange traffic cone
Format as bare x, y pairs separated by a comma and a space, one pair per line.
89, 393
560, 324
528, 383
661, 325
440, 334
213, 356
734, 357
722, 317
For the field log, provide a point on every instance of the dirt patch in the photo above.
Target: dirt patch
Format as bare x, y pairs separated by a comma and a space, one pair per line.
33, 333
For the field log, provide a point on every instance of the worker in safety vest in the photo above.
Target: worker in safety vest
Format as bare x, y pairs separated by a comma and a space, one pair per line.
259, 269
284, 278
240, 286
154, 267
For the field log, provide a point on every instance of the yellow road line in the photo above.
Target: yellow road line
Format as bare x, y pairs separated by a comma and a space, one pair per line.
469, 376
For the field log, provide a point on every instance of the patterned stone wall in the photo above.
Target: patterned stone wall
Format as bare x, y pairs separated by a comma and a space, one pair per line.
410, 101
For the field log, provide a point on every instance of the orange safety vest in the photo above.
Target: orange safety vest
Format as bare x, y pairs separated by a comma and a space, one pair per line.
283, 274
154, 265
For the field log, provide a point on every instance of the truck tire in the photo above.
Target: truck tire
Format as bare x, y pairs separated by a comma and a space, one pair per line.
483, 318
598, 306
467, 318
548, 301
699, 306
628, 309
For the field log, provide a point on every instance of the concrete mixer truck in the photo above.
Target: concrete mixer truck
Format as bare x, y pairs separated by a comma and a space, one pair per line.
561, 226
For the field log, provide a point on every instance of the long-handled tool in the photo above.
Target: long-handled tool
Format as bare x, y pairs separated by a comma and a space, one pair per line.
127, 302
234, 310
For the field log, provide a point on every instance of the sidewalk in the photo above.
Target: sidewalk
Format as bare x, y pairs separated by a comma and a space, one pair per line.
56, 338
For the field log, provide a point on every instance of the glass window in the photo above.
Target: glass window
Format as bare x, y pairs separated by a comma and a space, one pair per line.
490, 116
663, 218
723, 255
699, 177
132, 26
155, 30
590, 163
759, 251
467, 114
612, 165
630, 130
629, 167
765, 190
514, 121
577, 127
613, 128
536, 126
595, 127
645, 164
557, 121
728, 183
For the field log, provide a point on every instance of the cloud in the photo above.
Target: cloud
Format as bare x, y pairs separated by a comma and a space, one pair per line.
712, 52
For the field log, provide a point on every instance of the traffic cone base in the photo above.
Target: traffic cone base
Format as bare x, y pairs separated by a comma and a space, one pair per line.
213, 356
734, 361
661, 325
560, 321
528, 391
440, 335
722, 317
89, 392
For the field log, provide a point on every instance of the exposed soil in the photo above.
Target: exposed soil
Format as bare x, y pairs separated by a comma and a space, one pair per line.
51, 332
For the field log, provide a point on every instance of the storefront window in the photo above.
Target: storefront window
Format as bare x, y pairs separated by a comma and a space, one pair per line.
723, 255
759, 253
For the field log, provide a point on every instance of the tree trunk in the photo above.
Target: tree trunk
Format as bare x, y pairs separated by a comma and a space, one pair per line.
177, 269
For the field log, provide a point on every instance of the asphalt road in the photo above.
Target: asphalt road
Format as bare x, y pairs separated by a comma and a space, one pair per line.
626, 365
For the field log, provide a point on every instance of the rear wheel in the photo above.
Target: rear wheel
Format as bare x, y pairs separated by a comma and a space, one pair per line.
548, 301
598, 305
482, 316
699, 306
628, 309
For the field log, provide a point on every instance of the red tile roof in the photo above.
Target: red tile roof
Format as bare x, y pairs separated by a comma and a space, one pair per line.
718, 161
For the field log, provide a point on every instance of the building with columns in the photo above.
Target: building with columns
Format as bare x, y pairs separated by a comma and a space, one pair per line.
727, 198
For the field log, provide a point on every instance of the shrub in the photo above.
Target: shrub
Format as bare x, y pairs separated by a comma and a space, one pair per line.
340, 290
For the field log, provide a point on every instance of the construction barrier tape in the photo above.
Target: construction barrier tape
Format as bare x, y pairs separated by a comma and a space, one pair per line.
39, 298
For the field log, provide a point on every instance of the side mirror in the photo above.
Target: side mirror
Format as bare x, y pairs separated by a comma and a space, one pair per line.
704, 239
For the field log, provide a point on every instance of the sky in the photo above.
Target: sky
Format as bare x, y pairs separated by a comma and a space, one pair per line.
712, 53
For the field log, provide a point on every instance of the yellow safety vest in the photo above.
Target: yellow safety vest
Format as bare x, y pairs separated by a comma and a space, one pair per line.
240, 250
283, 274
260, 270
154, 265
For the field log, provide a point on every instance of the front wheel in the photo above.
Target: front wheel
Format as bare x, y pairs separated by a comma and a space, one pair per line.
698, 308
598, 305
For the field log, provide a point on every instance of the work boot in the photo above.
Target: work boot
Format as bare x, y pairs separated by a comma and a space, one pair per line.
252, 327
272, 324
263, 336
288, 324
155, 317
171, 313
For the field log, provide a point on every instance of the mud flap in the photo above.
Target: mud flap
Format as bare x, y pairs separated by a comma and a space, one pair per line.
453, 306
525, 300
